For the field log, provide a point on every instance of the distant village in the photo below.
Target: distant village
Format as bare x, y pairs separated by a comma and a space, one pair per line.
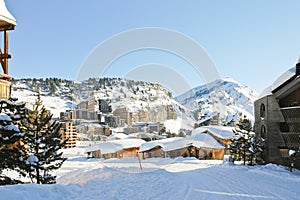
111, 133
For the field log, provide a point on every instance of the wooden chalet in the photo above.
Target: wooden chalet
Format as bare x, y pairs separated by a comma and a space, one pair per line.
201, 145
7, 23
125, 148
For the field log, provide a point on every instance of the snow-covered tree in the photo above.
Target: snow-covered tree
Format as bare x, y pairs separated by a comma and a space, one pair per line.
294, 156
245, 146
43, 143
245, 124
12, 147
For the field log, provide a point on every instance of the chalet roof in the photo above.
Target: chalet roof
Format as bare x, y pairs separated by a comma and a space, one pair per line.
7, 21
199, 140
113, 146
162, 143
222, 132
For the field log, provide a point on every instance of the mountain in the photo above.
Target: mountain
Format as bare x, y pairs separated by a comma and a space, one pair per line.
148, 101
225, 96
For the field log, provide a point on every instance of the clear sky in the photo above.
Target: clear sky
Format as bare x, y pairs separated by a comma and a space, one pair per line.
252, 42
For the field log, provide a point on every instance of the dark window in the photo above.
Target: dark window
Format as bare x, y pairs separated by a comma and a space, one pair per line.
262, 110
263, 132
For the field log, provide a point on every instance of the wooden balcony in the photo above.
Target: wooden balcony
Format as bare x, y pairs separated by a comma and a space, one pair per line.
4, 86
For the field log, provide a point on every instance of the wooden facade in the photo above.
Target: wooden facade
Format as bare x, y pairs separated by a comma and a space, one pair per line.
7, 23
124, 153
200, 153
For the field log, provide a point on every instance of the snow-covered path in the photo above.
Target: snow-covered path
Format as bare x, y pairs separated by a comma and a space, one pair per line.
179, 178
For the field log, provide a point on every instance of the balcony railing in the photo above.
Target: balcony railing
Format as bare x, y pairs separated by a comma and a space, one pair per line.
291, 128
292, 118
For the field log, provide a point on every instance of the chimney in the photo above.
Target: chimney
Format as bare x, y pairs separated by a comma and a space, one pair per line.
298, 67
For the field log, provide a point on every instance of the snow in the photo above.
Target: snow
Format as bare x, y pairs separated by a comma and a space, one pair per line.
5, 117
160, 178
162, 143
222, 132
279, 81
117, 136
54, 104
199, 140
113, 146
223, 96
5, 15
32, 160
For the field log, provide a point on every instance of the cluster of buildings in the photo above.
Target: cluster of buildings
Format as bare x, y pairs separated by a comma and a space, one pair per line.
93, 120
207, 142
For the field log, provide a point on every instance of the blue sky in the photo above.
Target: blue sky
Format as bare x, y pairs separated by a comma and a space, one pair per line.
252, 42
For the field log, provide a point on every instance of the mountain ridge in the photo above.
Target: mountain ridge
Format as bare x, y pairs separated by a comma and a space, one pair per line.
225, 95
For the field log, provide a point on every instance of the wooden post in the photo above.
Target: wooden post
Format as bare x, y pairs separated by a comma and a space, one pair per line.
5, 52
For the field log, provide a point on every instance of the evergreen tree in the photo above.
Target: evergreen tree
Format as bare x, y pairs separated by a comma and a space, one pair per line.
245, 124
12, 147
43, 143
246, 147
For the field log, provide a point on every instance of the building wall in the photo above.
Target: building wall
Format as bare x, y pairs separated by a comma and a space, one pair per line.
68, 132
125, 153
156, 152
270, 120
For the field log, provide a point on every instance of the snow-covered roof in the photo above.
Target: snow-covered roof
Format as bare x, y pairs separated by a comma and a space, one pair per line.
113, 146
162, 143
203, 140
5, 16
129, 143
222, 132
279, 81
199, 140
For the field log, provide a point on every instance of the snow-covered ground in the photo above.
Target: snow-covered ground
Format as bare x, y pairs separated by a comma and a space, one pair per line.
181, 178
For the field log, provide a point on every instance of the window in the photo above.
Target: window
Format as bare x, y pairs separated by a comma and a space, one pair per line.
263, 132
262, 110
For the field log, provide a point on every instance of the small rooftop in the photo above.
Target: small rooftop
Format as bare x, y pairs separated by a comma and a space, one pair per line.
7, 21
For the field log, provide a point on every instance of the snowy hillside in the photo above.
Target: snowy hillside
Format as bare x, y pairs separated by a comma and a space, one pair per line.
225, 96
149, 100
146, 100
160, 178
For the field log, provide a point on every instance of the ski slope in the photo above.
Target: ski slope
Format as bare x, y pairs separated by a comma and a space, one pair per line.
181, 178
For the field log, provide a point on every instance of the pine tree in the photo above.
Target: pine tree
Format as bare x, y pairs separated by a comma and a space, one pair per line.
12, 147
246, 147
43, 143
245, 124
